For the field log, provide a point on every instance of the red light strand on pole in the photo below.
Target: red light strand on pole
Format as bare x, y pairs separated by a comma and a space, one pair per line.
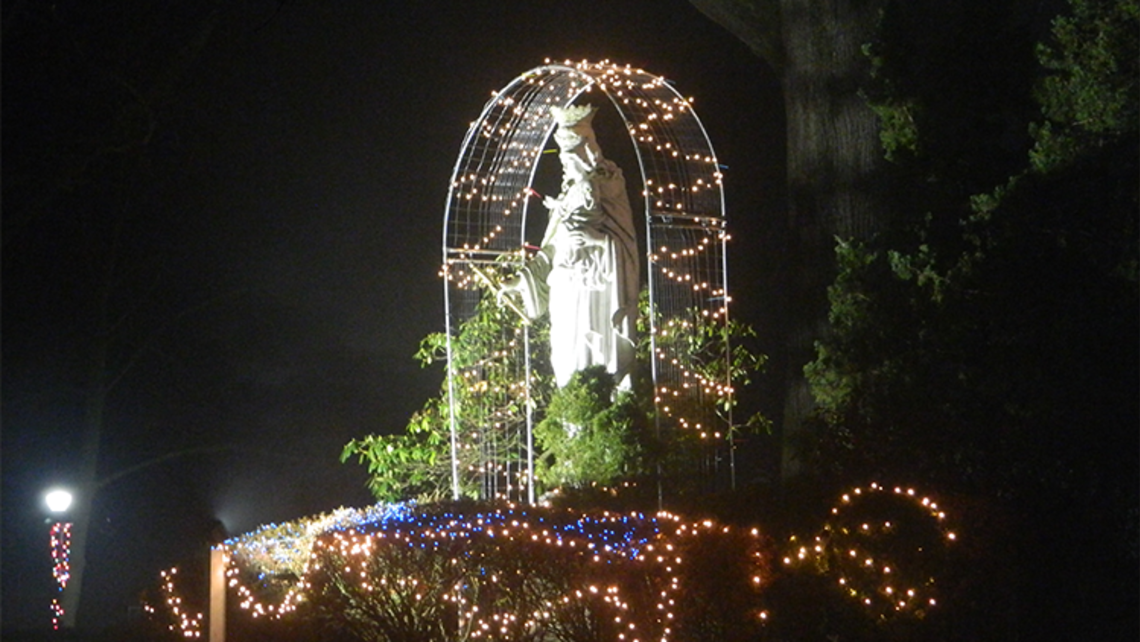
61, 566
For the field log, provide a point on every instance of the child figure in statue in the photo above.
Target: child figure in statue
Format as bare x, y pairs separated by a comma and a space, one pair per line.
585, 273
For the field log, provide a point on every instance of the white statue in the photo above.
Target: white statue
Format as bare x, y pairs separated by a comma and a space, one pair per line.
585, 273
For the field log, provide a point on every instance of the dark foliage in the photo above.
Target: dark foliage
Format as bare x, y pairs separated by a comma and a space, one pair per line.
987, 345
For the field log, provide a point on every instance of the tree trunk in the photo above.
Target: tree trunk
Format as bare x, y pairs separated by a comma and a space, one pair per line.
88, 471
93, 165
833, 157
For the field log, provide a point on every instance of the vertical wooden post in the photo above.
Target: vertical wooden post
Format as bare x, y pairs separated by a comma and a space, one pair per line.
217, 619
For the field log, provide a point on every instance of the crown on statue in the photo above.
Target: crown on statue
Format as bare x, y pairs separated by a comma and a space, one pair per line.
574, 126
573, 115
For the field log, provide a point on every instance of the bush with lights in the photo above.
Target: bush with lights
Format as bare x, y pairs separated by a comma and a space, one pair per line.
592, 434
587, 435
466, 572
469, 571
489, 354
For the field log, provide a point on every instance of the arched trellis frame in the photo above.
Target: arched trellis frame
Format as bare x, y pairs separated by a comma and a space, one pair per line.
488, 205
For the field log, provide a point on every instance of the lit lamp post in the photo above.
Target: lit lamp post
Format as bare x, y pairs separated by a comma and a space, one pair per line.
58, 501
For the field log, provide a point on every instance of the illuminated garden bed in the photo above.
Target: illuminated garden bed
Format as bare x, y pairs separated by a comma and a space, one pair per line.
465, 571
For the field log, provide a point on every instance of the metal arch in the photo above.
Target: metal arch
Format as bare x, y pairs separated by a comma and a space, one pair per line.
488, 199
487, 202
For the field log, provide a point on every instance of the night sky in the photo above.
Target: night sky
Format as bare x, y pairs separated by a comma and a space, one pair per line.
282, 246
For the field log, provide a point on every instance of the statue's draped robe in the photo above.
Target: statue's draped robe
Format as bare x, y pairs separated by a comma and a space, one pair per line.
590, 291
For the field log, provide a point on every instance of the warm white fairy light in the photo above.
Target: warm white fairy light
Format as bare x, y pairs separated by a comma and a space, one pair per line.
604, 543
865, 577
490, 195
183, 620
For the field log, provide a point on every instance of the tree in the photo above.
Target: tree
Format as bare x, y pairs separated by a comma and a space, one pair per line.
1089, 97
592, 434
834, 187
987, 343
491, 404
86, 141
925, 310
586, 434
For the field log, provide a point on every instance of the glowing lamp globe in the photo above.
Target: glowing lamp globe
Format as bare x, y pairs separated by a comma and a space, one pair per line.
58, 501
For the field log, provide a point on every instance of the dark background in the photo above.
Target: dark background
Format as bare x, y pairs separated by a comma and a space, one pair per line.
280, 246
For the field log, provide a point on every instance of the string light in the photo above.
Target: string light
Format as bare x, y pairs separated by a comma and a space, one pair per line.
61, 566
488, 201
275, 568
682, 187
874, 564
184, 621
624, 567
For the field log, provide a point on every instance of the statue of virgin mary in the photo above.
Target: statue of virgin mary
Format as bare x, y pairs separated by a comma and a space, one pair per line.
586, 271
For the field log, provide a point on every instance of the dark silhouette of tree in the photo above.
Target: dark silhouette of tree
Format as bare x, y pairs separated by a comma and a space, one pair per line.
833, 160
982, 327
84, 149
986, 343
